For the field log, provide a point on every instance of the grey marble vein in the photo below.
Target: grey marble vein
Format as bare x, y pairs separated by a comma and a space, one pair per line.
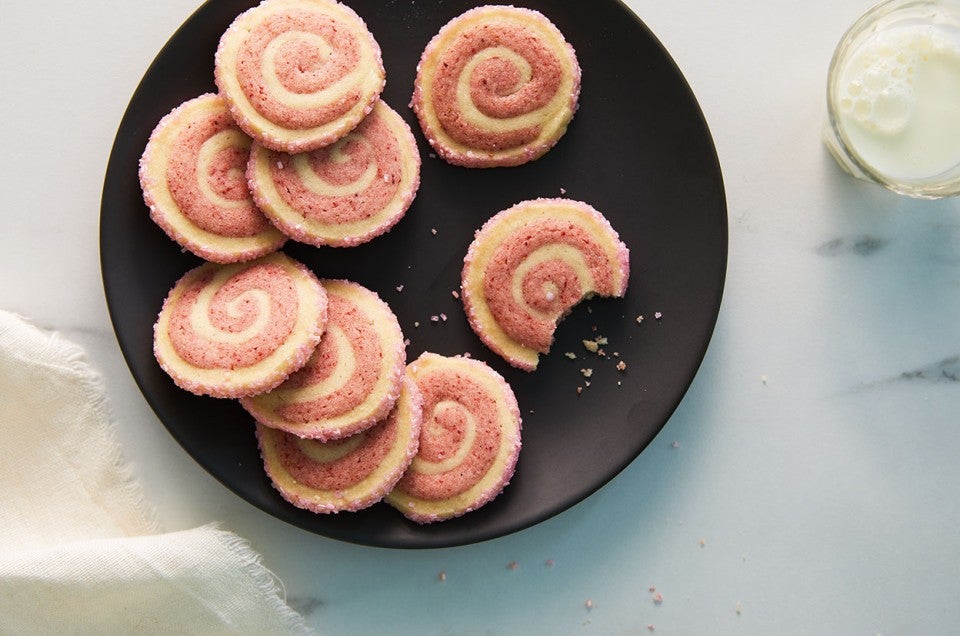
946, 370
865, 245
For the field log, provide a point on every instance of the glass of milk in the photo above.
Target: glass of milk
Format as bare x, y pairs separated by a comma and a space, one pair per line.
893, 98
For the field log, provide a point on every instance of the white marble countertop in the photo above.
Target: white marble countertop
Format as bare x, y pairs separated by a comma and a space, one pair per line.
815, 487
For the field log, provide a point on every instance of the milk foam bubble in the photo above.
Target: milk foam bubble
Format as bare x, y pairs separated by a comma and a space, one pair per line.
898, 101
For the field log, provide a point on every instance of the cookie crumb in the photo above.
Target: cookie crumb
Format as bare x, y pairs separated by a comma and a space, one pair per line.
579, 390
591, 346
639, 319
738, 608
675, 444
433, 231
563, 190
658, 315
588, 604
703, 543
441, 576
443, 317
455, 294
549, 563
586, 372
571, 355
651, 627
763, 380
657, 598
621, 366
434, 318
416, 324
399, 288
513, 565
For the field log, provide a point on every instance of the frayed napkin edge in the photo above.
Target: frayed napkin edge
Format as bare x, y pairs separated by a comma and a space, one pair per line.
268, 583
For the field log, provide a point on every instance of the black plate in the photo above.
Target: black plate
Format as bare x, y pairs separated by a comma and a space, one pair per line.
638, 150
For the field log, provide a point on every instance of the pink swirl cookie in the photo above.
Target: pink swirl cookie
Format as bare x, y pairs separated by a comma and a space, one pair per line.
192, 176
353, 378
529, 265
344, 194
469, 439
240, 329
496, 86
347, 474
298, 74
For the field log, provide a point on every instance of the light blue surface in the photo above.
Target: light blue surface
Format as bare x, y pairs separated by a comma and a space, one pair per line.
815, 485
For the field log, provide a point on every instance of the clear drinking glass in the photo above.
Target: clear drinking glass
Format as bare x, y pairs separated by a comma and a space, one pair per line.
893, 98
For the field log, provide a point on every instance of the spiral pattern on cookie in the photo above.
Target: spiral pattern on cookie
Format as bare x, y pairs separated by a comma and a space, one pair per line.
192, 174
497, 86
531, 264
299, 74
240, 329
469, 439
348, 474
344, 194
353, 378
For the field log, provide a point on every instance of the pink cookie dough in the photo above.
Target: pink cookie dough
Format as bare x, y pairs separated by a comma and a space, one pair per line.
344, 194
497, 86
234, 330
469, 439
299, 74
193, 181
353, 378
529, 265
347, 474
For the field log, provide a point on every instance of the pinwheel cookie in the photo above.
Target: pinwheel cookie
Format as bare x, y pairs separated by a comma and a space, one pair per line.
192, 176
347, 474
344, 194
469, 439
497, 86
240, 329
353, 378
298, 74
529, 265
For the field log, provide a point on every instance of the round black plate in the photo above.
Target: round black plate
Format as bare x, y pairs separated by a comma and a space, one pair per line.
638, 150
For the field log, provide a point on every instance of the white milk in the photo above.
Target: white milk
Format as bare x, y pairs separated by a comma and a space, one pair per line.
897, 101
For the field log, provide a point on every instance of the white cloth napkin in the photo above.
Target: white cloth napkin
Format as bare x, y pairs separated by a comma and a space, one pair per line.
80, 550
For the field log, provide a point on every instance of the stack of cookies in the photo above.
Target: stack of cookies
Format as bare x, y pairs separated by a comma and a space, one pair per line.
298, 145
